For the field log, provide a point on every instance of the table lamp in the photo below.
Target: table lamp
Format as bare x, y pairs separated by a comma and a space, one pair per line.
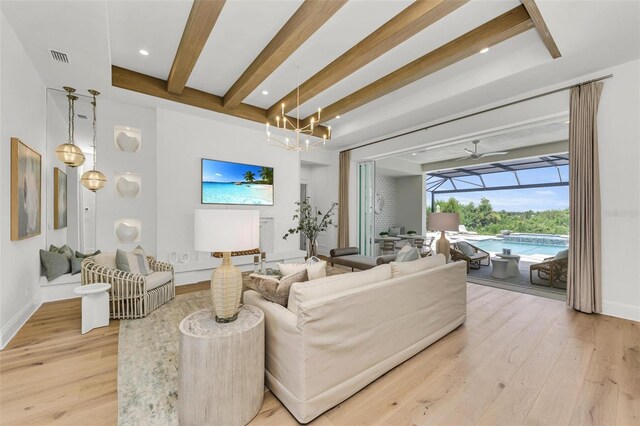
443, 222
226, 231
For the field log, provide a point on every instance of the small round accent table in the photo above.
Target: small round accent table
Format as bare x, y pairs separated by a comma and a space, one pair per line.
512, 266
95, 305
221, 368
499, 269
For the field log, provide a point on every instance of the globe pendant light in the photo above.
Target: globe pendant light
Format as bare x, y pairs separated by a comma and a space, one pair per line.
68, 152
93, 180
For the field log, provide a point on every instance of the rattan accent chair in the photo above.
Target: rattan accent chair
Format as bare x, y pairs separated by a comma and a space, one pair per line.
551, 269
474, 256
132, 295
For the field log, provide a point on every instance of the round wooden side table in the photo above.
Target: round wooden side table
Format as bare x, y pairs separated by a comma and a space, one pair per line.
221, 368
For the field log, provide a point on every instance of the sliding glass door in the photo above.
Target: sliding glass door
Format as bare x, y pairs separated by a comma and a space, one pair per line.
366, 215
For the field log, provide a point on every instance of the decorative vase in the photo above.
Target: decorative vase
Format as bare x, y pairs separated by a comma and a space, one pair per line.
226, 290
312, 248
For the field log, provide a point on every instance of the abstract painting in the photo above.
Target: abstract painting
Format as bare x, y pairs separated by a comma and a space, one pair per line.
59, 199
26, 189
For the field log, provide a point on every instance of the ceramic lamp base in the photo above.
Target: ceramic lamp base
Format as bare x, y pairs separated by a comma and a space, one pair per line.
226, 290
443, 246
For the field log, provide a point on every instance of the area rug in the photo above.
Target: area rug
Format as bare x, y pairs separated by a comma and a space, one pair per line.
520, 283
148, 360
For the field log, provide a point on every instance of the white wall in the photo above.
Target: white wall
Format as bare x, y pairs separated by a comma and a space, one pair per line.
619, 143
411, 203
183, 140
110, 206
23, 106
387, 194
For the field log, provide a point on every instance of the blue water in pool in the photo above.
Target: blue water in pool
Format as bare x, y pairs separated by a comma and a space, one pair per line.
230, 193
496, 246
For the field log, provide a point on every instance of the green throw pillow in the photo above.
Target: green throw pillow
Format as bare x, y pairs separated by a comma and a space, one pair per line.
54, 264
76, 265
85, 255
134, 261
67, 251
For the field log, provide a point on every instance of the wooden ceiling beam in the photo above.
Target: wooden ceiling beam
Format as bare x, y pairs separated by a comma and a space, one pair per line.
413, 19
152, 86
504, 27
541, 27
202, 18
305, 21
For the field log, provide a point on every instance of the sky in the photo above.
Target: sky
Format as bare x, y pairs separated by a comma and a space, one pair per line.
536, 199
222, 171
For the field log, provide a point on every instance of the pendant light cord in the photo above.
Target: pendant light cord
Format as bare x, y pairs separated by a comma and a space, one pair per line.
71, 129
94, 130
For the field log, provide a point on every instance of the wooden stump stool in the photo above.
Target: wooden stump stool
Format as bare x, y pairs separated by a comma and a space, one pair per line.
221, 368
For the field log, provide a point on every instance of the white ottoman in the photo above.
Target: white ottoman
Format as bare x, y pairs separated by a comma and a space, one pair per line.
95, 305
499, 268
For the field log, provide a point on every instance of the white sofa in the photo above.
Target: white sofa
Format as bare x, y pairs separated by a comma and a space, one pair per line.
340, 333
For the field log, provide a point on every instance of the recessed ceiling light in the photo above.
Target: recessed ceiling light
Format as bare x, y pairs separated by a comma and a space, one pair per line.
414, 153
337, 116
485, 50
265, 92
143, 52
567, 122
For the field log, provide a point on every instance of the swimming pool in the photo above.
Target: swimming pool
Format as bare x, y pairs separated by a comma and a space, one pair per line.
496, 246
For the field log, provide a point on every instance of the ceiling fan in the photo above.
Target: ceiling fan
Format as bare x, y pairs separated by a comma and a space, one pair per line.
475, 155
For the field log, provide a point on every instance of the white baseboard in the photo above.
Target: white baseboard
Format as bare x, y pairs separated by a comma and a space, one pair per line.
621, 310
15, 324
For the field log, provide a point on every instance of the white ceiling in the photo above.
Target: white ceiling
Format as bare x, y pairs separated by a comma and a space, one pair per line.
518, 137
591, 35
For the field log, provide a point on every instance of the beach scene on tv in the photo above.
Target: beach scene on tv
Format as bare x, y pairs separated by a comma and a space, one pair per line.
235, 183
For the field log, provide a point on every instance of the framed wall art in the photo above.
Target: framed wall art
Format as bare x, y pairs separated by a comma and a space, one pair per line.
26, 191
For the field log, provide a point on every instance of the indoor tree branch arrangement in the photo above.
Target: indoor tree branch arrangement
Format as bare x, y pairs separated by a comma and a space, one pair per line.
311, 222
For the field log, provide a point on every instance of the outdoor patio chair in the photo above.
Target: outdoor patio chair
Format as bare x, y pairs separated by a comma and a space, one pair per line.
474, 256
463, 230
424, 245
551, 269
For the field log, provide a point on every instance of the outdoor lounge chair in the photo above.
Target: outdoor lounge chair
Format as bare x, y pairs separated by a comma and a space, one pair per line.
463, 230
551, 269
471, 254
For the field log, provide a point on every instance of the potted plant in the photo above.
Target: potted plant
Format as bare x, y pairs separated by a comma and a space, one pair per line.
411, 233
311, 222
384, 234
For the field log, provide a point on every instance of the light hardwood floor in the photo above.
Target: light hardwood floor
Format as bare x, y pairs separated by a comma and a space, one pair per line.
518, 359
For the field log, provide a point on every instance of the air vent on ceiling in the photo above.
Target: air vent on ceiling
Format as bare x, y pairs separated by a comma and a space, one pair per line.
84, 117
56, 55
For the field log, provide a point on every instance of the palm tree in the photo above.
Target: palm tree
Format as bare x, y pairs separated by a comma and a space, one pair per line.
249, 176
266, 175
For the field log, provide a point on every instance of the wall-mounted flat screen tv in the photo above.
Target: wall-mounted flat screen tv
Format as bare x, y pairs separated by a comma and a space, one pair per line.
224, 182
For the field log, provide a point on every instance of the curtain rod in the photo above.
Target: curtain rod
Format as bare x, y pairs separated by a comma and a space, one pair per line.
551, 92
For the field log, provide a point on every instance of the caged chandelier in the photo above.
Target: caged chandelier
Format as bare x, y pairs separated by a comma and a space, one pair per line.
291, 135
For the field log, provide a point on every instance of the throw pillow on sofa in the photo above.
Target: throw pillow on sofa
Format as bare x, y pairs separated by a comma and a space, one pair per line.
134, 261
407, 254
85, 255
54, 264
404, 268
274, 289
314, 270
302, 292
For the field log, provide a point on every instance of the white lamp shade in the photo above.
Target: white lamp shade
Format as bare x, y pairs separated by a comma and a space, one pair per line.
443, 221
226, 230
